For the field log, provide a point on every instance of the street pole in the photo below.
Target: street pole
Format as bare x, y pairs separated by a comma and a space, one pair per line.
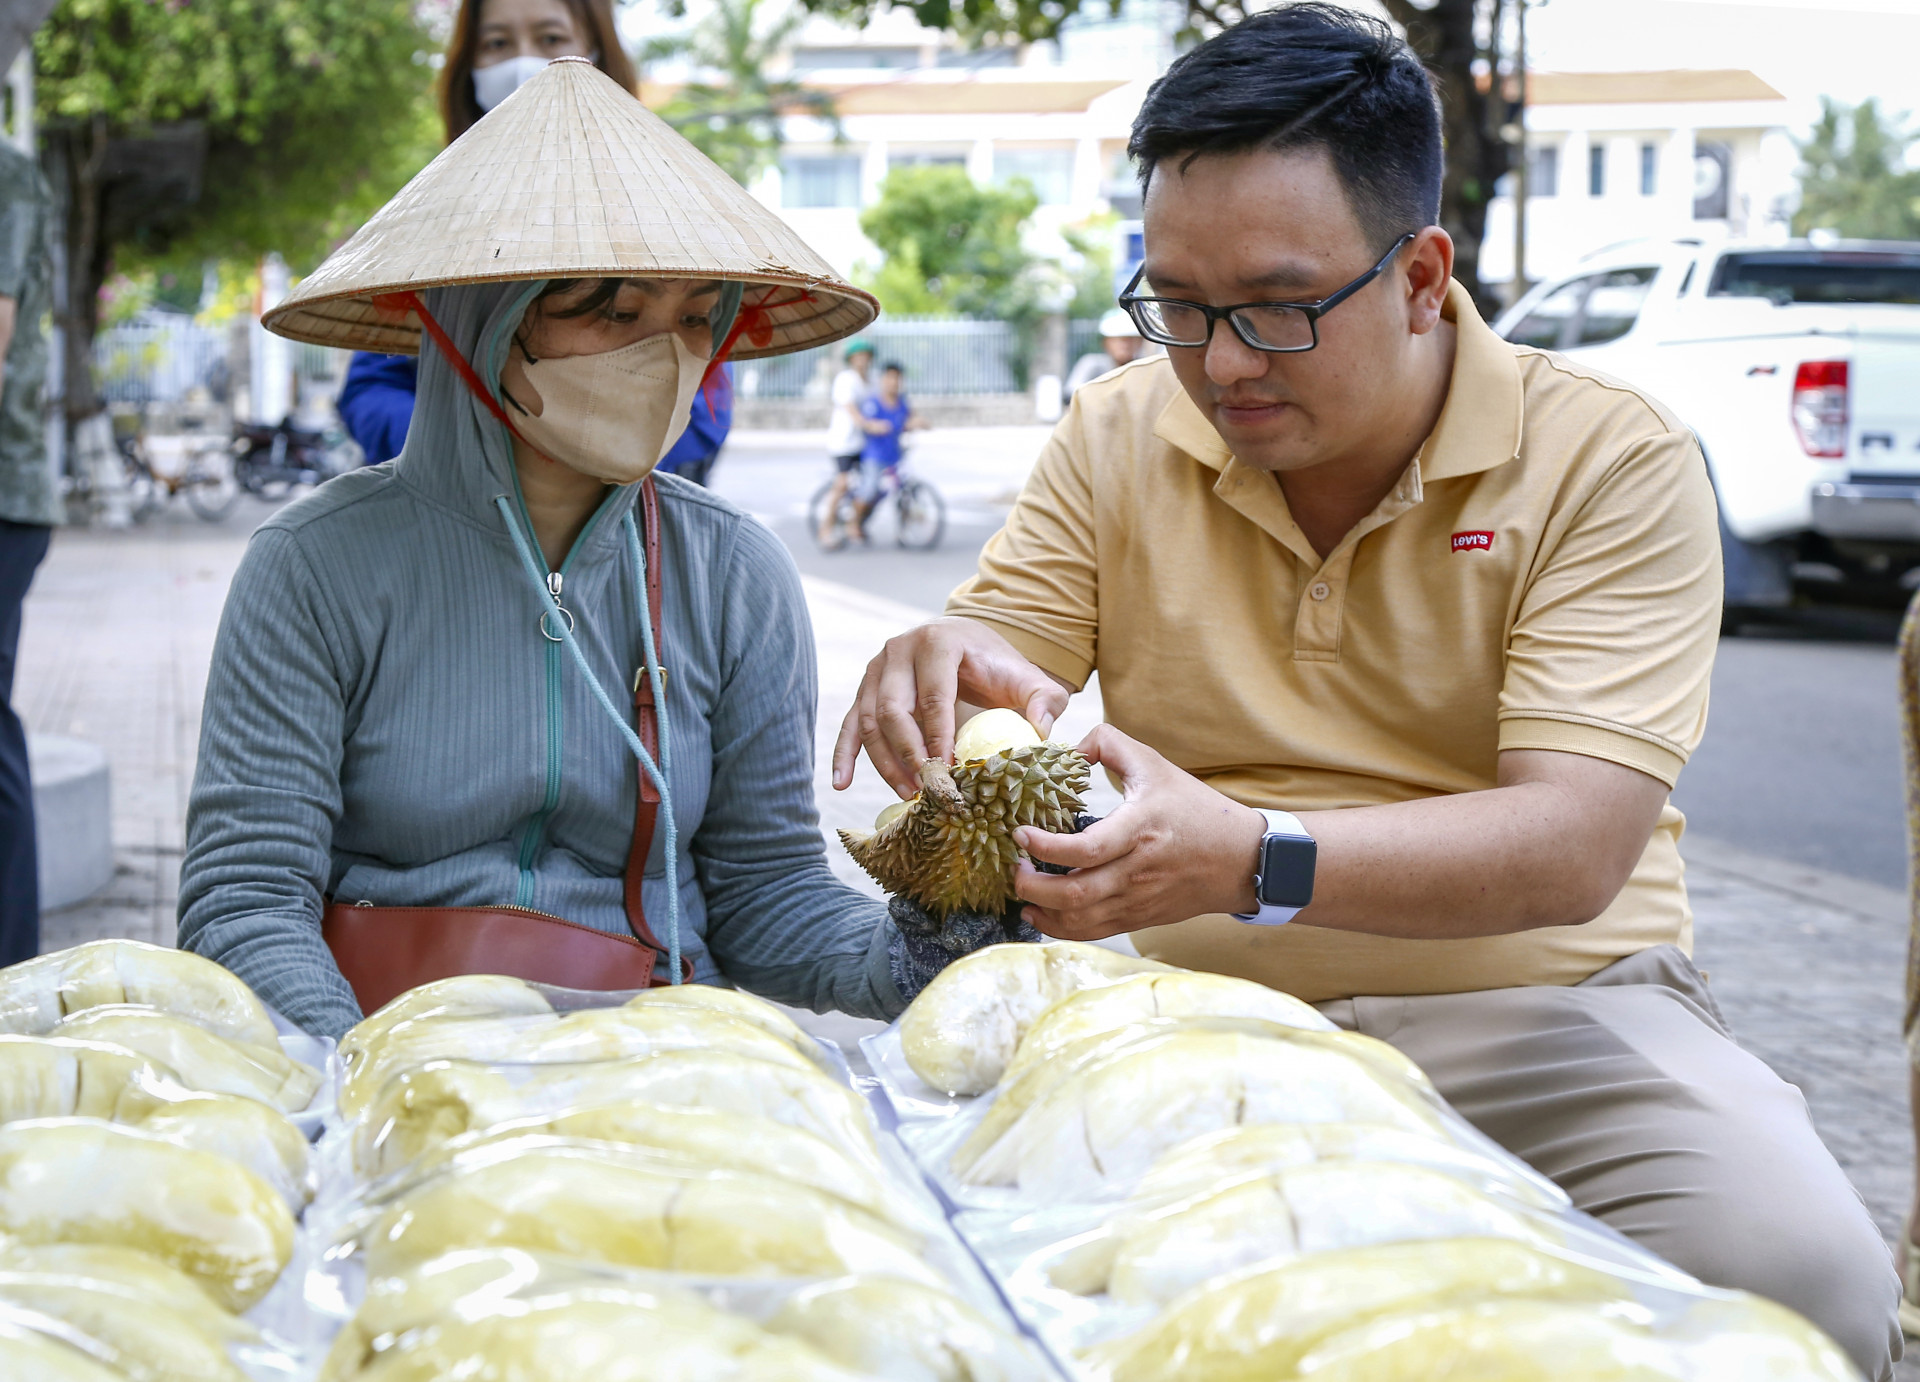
1523, 174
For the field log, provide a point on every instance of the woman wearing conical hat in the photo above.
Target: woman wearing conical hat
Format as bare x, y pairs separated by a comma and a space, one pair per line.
508, 704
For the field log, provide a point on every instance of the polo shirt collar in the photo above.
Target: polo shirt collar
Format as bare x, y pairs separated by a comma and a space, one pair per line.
1479, 427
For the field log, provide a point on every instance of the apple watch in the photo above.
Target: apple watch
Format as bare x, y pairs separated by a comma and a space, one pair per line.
1283, 873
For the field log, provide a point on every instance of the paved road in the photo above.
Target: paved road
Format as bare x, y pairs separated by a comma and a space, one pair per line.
1801, 759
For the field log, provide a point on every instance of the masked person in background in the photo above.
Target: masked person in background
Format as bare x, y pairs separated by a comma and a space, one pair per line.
510, 703
495, 47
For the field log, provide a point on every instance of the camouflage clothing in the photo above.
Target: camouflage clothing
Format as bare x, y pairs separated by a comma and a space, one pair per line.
27, 492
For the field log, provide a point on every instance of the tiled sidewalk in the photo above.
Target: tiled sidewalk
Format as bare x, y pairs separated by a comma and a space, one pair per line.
120, 627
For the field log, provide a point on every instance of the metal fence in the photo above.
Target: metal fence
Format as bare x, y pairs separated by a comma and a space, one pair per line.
942, 355
161, 357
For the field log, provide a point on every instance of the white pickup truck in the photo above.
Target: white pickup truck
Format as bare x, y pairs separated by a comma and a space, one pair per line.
1798, 366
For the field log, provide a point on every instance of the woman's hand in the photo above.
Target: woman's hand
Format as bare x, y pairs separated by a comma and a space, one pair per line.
904, 711
1174, 849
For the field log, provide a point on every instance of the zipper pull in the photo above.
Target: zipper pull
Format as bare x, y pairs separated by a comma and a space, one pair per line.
555, 582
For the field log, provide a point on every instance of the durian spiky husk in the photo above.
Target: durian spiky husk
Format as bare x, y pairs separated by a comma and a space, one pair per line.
952, 849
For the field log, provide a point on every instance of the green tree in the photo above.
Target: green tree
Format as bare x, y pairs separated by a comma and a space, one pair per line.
1854, 175
1468, 45
223, 129
735, 121
949, 244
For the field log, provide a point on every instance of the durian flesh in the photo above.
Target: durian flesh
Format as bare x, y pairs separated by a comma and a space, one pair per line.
952, 848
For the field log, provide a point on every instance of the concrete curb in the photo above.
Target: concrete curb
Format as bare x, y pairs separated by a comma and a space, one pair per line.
1800, 881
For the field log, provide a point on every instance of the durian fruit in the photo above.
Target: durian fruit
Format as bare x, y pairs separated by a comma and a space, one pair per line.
587, 1201
732, 1002
142, 1338
422, 1108
952, 848
36, 994
883, 1327
606, 1335
463, 995
1193, 1168
1254, 1326
1144, 997
1154, 1256
1508, 1340
53, 1353
80, 1180
199, 1058
1098, 1119
962, 1030
589, 1034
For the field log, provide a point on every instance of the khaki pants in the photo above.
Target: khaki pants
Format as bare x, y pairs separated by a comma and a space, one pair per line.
1629, 1092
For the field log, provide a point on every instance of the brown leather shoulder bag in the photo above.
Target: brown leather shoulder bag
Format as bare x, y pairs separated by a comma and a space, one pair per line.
384, 951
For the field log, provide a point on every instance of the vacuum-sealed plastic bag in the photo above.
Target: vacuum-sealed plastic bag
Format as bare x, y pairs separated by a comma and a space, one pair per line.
199, 1058
81, 1180
36, 994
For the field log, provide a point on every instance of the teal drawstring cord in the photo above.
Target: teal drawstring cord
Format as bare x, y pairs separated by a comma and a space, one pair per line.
653, 770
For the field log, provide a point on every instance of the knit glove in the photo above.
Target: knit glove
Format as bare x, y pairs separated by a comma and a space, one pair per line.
920, 947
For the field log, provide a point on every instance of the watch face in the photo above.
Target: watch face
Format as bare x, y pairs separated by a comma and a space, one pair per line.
1286, 871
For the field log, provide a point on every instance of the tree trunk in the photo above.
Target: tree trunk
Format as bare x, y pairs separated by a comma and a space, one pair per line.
1471, 120
81, 152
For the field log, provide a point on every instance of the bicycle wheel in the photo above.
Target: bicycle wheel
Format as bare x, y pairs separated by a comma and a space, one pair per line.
211, 494
922, 516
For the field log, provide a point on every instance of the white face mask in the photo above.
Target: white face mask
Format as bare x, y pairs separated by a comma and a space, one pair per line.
616, 414
492, 85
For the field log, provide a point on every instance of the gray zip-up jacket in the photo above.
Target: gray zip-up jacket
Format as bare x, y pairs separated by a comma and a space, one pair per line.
385, 721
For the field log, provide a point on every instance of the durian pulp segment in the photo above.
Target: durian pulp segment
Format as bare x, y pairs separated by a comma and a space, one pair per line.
991, 732
889, 814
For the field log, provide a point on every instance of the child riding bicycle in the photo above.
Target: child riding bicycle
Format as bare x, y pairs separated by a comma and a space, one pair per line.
885, 415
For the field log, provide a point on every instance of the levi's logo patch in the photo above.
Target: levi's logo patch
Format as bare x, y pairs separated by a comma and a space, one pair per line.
1473, 540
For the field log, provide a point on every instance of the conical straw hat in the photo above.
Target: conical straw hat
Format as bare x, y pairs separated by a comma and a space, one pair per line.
571, 177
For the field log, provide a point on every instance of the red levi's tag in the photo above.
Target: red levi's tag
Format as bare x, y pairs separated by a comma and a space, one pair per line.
1474, 540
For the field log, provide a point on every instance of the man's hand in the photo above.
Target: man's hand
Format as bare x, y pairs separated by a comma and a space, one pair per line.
905, 709
1174, 849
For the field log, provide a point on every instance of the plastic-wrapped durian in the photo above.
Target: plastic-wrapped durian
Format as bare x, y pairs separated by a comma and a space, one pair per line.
1144, 997
55, 1077
199, 1058
1733, 1337
141, 1338
733, 1003
421, 1108
705, 1139
80, 1180
586, 1201
629, 1336
1152, 1256
952, 848
127, 1269
35, 1348
589, 1034
882, 1327
1255, 1326
1104, 1110
1193, 1168
962, 1030
36, 994
464, 995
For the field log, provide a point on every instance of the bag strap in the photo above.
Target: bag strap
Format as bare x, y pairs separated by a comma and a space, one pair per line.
646, 722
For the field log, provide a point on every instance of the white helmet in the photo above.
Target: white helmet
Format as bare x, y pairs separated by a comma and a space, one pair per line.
1118, 323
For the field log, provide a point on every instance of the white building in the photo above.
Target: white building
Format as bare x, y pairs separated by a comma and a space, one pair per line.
1056, 114
1629, 155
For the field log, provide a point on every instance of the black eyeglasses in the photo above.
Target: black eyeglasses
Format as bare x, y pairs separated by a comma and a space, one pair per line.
1279, 327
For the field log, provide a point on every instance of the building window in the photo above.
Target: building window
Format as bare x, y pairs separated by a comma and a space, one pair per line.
925, 158
820, 180
1649, 169
1049, 171
1543, 178
1597, 170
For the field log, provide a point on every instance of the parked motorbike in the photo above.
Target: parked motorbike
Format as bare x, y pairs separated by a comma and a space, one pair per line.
270, 461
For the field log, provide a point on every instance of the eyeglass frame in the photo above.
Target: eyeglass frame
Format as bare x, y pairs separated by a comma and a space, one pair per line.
1312, 311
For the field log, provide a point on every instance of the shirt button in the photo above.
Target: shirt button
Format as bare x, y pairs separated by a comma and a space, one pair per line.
1319, 590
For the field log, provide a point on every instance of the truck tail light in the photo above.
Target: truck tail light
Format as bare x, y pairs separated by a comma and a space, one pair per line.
1820, 407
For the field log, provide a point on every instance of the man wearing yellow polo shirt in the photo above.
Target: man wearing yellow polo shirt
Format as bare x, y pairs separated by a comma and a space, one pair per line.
1414, 627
